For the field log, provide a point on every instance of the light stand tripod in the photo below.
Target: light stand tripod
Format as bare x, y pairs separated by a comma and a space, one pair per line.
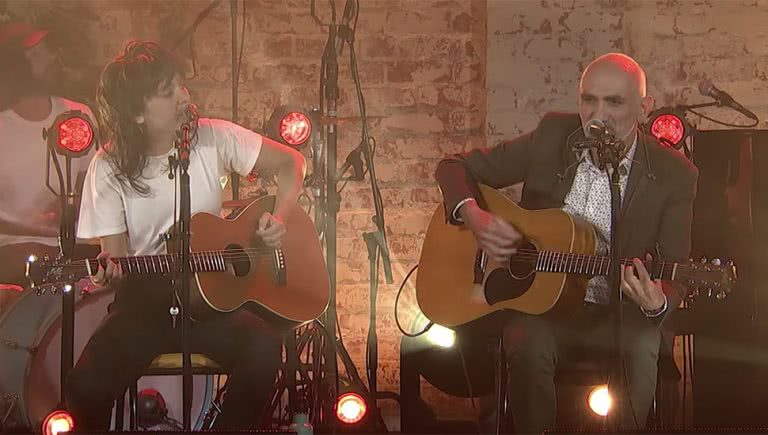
76, 146
67, 242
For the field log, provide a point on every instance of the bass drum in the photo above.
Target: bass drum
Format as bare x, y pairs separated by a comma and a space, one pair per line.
30, 351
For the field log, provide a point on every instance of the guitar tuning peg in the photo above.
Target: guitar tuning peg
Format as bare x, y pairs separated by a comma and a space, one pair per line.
703, 259
716, 261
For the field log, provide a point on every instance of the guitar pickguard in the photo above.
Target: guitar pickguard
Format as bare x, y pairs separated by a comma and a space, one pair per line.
512, 281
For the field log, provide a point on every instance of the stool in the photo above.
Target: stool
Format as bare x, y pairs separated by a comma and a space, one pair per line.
579, 373
167, 364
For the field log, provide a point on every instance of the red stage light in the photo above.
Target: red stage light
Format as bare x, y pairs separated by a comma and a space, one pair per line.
351, 408
58, 421
669, 129
295, 128
71, 134
75, 135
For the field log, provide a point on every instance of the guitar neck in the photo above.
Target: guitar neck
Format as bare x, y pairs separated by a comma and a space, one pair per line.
211, 261
597, 265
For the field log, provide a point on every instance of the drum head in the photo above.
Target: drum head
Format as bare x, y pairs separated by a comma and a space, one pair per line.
30, 351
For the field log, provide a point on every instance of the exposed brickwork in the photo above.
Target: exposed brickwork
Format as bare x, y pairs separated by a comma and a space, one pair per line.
423, 66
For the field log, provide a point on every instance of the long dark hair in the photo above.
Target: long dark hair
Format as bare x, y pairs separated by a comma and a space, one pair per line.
137, 72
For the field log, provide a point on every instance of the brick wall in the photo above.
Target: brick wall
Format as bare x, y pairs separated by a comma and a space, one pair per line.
439, 76
538, 48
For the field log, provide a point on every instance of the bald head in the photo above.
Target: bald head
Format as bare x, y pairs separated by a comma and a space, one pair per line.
618, 62
612, 89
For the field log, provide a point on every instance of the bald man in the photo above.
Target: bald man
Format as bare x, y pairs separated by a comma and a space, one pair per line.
658, 186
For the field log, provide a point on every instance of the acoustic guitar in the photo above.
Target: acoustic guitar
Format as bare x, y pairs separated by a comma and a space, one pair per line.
231, 265
457, 283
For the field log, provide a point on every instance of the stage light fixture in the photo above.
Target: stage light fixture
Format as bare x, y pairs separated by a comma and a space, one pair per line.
669, 127
58, 421
436, 335
351, 408
71, 134
441, 336
600, 400
290, 125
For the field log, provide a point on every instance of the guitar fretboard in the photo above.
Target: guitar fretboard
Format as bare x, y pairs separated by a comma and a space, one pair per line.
212, 261
595, 265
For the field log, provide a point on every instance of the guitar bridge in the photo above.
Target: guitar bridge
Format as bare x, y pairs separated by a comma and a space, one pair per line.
278, 262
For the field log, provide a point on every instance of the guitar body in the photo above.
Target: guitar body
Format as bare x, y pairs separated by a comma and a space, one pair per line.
291, 283
452, 291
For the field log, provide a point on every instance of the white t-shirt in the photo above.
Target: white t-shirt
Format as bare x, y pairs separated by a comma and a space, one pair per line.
110, 207
23, 159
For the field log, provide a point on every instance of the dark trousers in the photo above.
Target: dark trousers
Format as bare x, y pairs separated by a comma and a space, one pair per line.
537, 345
138, 328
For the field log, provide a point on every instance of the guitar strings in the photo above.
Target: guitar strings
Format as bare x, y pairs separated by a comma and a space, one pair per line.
524, 256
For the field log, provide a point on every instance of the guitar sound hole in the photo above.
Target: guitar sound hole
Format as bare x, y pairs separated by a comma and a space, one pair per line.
522, 264
238, 260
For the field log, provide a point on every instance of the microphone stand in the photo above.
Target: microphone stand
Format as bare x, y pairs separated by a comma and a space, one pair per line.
183, 273
375, 241
330, 86
607, 149
329, 94
614, 284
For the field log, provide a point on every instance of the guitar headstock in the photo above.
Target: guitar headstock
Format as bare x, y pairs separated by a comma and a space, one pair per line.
46, 273
711, 278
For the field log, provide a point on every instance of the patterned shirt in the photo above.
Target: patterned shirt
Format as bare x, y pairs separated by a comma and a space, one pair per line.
590, 198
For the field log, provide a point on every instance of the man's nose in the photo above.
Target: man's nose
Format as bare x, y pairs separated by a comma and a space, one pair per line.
600, 111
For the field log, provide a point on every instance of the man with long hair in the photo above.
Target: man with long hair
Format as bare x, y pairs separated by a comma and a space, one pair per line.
128, 203
29, 211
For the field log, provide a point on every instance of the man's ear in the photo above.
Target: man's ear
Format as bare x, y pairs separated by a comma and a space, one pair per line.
646, 103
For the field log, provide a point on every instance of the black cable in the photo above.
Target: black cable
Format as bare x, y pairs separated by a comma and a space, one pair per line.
397, 300
727, 124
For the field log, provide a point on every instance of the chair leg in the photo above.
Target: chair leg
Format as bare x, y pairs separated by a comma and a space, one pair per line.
119, 410
133, 398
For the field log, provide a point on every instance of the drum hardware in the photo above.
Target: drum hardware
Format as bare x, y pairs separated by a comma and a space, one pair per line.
29, 379
9, 401
15, 345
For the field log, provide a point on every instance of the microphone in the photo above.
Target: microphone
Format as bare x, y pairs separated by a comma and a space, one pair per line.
190, 119
596, 129
355, 162
596, 135
192, 113
708, 89
344, 31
